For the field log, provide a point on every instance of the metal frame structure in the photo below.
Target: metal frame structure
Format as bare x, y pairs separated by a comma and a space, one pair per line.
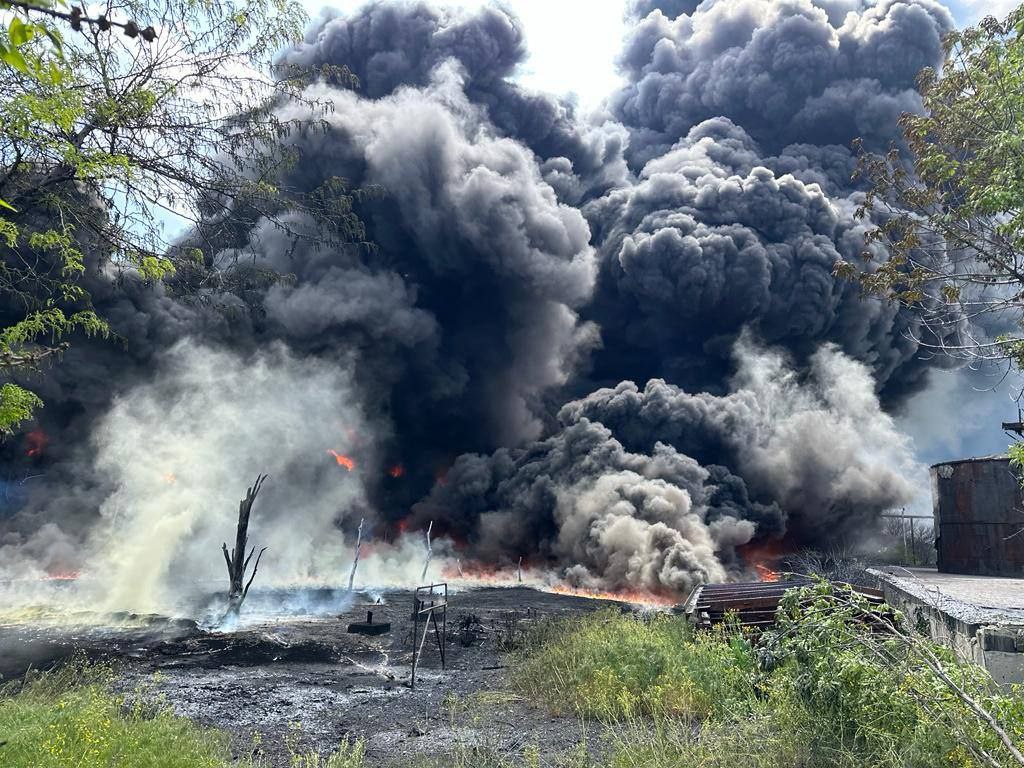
428, 603
753, 604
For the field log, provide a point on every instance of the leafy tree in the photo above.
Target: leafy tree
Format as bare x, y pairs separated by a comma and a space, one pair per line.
21, 31
108, 132
896, 692
949, 206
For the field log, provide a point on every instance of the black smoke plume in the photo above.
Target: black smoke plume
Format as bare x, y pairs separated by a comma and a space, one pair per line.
609, 343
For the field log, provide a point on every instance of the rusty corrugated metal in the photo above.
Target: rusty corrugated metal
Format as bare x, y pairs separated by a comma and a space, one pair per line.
979, 517
752, 603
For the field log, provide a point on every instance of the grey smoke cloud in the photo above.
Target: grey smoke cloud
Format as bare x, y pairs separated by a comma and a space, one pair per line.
558, 317
482, 269
390, 45
789, 72
818, 444
633, 490
180, 450
610, 517
712, 240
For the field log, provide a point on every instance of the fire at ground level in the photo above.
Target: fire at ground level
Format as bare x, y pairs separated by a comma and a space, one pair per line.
290, 672
304, 677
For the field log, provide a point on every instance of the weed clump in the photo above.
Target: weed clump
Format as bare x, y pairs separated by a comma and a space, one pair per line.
71, 717
839, 683
611, 666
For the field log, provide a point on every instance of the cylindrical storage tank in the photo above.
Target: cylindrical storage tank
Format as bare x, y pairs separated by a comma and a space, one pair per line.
979, 517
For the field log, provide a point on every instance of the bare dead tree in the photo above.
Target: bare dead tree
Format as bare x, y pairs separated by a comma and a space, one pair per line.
358, 551
237, 562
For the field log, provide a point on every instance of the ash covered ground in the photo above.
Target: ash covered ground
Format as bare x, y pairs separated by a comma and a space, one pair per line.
295, 675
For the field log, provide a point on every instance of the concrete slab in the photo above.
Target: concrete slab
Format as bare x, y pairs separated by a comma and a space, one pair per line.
974, 599
981, 617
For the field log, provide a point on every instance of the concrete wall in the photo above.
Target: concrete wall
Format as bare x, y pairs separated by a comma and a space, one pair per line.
1000, 649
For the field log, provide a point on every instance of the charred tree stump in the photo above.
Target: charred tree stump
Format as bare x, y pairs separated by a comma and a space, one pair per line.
359, 549
237, 562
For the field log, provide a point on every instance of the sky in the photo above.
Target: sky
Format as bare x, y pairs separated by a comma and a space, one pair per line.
574, 43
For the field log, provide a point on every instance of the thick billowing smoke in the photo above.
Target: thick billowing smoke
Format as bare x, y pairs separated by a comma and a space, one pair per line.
615, 490
710, 240
609, 344
789, 71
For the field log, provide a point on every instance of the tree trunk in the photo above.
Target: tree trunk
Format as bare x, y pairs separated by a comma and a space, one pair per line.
236, 561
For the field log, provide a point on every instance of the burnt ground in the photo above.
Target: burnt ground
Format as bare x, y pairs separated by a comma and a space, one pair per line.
304, 680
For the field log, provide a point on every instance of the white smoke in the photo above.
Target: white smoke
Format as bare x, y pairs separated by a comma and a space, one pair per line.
182, 450
818, 442
623, 529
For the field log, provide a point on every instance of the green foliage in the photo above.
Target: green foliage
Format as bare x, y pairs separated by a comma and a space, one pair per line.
71, 718
103, 133
17, 405
610, 666
839, 683
950, 212
14, 42
19, 349
888, 707
1016, 454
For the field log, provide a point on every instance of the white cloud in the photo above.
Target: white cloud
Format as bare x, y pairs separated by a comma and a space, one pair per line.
971, 11
572, 43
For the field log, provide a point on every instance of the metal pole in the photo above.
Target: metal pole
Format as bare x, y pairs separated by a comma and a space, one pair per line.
430, 553
415, 634
913, 544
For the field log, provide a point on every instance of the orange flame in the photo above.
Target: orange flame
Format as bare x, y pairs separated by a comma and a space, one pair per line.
479, 573
60, 576
396, 471
170, 478
761, 558
35, 442
342, 459
635, 596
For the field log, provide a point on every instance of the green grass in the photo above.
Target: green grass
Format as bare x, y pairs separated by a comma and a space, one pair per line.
610, 666
348, 755
71, 718
820, 697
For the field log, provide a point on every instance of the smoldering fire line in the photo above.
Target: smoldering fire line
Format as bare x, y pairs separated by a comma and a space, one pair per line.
609, 343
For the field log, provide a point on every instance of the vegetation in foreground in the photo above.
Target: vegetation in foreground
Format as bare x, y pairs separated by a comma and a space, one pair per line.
836, 684
72, 717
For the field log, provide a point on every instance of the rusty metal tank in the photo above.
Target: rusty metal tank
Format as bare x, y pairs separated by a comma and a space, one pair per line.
979, 517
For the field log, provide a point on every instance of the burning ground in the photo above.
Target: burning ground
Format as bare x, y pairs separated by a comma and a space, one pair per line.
607, 346
290, 672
